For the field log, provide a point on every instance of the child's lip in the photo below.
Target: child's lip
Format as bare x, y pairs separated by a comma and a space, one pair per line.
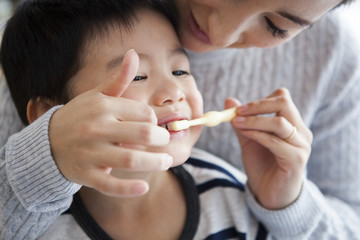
175, 116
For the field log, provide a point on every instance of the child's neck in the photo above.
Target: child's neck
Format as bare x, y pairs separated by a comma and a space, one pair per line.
159, 214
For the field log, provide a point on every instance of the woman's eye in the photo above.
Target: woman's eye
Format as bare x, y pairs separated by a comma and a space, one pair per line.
274, 30
139, 78
179, 73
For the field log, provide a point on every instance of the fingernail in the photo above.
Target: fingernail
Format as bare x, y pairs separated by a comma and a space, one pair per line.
167, 163
242, 109
129, 51
140, 188
239, 119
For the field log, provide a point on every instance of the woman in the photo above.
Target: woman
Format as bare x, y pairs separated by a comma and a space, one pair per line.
328, 103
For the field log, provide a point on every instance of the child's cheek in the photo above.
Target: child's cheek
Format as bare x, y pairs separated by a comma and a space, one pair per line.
196, 102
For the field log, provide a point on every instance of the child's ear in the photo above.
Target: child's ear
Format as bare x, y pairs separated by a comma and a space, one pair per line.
36, 108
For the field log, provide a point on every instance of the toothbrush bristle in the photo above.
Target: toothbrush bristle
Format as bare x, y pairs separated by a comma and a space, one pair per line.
178, 125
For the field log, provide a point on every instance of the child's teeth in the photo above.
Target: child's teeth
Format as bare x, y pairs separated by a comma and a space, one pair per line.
166, 125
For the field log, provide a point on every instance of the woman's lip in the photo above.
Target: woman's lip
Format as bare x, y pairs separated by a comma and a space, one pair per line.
196, 31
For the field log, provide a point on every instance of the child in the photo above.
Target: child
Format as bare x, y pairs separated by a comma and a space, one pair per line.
68, 48
203, 198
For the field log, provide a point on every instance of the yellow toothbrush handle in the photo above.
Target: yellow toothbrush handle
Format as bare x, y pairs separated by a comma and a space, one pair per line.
228, 114
214, 118
210, 119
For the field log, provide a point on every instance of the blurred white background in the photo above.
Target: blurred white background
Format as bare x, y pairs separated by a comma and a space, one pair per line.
352, 14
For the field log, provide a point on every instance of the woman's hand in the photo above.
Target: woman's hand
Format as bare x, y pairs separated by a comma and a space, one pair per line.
97, 131
275, 147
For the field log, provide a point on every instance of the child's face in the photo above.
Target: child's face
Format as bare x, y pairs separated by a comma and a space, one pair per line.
163, 80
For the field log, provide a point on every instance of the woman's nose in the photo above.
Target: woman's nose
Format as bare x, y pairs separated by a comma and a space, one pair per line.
168, 92
227, 35
231, 28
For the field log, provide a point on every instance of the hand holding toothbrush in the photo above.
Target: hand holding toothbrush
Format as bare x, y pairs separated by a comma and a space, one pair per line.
275, 148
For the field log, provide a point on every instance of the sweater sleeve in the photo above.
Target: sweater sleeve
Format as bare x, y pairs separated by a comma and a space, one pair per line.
34, 192
9, 120
311, 216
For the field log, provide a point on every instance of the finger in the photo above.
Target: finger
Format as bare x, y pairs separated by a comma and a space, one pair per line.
133, 160
120, 80
112, 186
126, 132
285, 152
279, 92
279, 103
141, 133
231, 102
278, 126
123, 109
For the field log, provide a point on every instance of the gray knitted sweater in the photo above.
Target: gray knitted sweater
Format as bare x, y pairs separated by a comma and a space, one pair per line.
320, 67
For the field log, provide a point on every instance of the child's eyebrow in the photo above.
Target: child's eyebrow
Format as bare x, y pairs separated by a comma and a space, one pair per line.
116, 61
179, 51
113, 63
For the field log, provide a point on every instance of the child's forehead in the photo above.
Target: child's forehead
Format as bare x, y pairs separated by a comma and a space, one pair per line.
151, 36
98, 38
148, 32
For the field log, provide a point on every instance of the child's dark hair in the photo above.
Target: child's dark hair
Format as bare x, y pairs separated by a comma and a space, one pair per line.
43, 42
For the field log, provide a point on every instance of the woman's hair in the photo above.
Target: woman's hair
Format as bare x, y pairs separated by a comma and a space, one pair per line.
43, 43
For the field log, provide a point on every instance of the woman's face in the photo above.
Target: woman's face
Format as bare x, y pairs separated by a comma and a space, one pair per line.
207, 25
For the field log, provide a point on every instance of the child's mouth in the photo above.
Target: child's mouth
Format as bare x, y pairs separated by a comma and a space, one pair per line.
167, 121
168, 126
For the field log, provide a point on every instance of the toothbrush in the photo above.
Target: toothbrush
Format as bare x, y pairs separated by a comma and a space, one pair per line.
209, 119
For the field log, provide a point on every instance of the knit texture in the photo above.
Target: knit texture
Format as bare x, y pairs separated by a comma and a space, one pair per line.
33, 191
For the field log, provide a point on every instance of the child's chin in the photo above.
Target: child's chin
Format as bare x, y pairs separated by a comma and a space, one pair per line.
179, 151
180, 156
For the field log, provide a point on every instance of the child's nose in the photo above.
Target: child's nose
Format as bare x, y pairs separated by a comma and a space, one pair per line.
169, 93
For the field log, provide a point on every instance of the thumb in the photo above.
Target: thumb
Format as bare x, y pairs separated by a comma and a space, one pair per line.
232, 102
118, 83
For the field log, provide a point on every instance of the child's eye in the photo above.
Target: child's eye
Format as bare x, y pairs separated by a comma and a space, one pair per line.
179, 73
274, 30
139, 78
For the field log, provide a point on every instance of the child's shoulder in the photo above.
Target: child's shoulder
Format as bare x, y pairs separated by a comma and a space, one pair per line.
222, 197
206, 167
